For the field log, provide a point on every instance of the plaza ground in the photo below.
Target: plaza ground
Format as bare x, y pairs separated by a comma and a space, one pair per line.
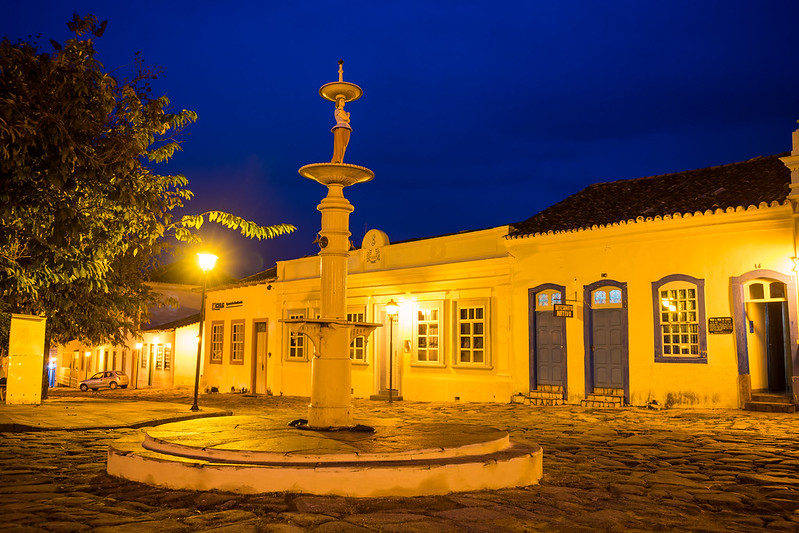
625, 469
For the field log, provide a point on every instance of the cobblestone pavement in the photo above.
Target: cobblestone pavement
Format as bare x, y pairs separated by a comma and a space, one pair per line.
604, 470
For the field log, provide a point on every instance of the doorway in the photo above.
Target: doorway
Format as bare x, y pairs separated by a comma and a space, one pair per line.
260, 356
767, 335
607, 356
386, 345
548, 338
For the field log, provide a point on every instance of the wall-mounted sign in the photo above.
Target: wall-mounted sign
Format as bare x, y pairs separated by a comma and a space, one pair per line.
564, 310
216, 306
719, 324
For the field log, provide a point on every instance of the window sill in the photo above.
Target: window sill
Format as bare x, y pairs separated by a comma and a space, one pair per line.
464, 366
422, 364
358, 363
680, 359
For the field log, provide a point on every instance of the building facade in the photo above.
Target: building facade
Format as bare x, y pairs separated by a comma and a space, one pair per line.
678, 289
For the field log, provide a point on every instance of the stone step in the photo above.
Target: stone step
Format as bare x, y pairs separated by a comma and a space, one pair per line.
608, 391
770, 407
418, 459
546, 401
545, 394
605, 398
383, 396
771, 398
550, 388
600, 403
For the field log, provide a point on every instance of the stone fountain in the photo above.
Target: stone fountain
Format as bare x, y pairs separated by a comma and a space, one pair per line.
332, 334
327, 454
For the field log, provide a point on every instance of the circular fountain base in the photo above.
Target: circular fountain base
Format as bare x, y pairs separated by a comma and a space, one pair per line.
252, 454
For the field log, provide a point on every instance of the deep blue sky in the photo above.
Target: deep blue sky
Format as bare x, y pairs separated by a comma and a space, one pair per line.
474, 114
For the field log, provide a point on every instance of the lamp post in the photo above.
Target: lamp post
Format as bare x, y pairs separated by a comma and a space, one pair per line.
392, 309
207, 262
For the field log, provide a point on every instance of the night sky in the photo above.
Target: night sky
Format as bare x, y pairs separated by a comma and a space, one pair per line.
474, 114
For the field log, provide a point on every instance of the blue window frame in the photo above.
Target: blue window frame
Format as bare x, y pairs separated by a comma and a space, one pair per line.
680, 333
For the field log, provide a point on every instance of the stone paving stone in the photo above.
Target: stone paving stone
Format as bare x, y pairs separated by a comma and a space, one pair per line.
762, 479
588, 470
162, 526
339, 526
64, 527
328, 505
281, 528
304, 519
238, 527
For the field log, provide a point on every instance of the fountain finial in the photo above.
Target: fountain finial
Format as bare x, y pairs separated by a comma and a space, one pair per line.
336, 90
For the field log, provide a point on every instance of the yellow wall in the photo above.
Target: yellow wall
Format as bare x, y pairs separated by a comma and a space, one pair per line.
257, 303
713, 247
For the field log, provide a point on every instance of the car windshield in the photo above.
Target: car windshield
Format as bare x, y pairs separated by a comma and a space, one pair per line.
119, 373
97, 376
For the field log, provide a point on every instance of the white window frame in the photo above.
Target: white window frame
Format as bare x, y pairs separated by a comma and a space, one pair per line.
421, 356
358, 344
216, 347
159, 356
236, 343
296, 343
482, 304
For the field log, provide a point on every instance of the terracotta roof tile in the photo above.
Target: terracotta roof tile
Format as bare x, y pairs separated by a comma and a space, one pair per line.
762, 179
185, 321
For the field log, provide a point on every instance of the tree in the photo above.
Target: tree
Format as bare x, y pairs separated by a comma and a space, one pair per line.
83, 213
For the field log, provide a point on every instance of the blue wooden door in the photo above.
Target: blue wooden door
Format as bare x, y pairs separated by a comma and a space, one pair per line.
549, 348
608, 347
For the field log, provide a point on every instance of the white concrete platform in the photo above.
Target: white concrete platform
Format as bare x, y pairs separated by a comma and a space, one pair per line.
253, 454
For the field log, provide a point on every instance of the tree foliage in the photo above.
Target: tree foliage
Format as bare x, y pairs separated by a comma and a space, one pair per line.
83, 212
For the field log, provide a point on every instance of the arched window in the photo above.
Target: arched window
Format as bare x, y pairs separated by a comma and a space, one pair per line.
761, 290
546, 299
606, 297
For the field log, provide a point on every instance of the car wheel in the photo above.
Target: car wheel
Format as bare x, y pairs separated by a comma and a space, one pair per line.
95, 390
84, 387
113, 385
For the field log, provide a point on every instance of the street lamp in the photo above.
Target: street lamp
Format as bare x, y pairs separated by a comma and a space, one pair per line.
392, 310
207, 262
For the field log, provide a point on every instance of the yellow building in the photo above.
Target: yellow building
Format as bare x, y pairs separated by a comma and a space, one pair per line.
160, 358
678, 289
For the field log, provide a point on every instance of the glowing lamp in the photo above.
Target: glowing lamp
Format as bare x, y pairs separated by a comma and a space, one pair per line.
392, 308
207, 261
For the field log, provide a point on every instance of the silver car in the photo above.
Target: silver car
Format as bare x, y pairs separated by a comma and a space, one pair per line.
107, 379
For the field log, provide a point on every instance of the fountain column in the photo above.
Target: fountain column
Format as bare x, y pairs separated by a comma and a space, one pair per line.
331, 334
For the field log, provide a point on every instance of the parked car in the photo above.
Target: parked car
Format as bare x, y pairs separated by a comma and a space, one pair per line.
108, 379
